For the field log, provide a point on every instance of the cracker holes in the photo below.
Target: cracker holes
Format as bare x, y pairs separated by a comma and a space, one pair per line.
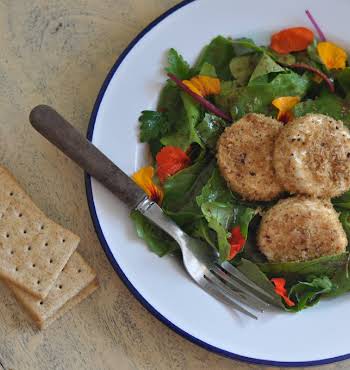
42, 227
46, 244
38, 282
12, 252
29, 248
11, 194
16, 268
7, 235
79, 271
33, 265
41, 303
60, 286
20, 215
51, 260
63, 240
24, 231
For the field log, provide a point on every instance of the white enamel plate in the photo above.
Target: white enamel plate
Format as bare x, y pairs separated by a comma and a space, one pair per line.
315, 336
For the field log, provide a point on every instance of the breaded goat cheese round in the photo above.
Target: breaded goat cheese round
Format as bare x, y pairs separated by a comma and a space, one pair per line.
245, 157
312, 156
301, 229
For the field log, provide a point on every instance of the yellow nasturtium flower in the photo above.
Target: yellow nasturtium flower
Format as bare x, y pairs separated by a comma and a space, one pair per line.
204, 85
144, 179
332, 56
285, 104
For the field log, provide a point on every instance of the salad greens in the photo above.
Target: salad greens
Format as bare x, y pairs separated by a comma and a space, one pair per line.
197, 198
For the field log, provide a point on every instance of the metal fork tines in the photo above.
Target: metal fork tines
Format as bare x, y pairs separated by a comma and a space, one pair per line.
223, 281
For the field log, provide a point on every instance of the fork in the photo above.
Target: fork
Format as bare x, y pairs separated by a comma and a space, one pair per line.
223, 281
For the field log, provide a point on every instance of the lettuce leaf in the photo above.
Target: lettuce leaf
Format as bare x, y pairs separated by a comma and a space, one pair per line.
219, 54
328, 104
153, 125
157, 240
177, 65
184, 133
210, 129
265, 66
294, 271
208, 70
306, 294
242, 67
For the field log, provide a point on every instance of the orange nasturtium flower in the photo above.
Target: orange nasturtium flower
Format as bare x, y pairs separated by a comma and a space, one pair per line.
332, 56
285, 104
280, 289
144, 179
291, 39
171, 160
236, 241
204, 85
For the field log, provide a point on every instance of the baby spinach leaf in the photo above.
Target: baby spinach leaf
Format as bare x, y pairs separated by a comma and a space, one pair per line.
265, 66
153, 125
219, 54
242, 67
222, 213
328, 104
200, 229
177, 65
208, 70
292, 271
344, 218
341, 280
184, 133
170, 103
281, 58
306, 294
343, 201
180, 190
243, 46
210, 129
290, 84
157, 240
215, 190
253, 273
343, 78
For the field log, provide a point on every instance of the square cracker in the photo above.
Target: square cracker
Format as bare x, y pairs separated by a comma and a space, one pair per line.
76, 282
33, 249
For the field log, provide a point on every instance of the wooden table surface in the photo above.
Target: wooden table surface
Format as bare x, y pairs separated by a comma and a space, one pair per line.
58, 52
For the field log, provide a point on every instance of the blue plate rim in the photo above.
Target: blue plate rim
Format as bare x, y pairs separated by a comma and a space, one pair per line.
107, 250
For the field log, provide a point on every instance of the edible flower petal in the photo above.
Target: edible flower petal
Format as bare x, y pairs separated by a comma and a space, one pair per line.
285, 104
171, 160
291, 39
204, 85
236, 241
144, 179
332, 56
280, 289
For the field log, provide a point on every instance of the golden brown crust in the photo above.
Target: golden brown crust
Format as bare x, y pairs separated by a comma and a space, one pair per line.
301, 229
312, 156
245, 153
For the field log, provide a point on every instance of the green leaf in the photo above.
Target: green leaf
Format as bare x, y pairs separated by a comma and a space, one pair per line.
343, 78
293, 271
222, 239
215, 190
341, 280
200, 229
243, 46
253, 273
157, 240
219, 54
306, 294
222, 213
343, 201
170, 103
184, 133
180, 190
328, 104
242, 68
345, 221
208, 70
265, 66
177, 65
210, 129
281, 58
153, 125
258, 97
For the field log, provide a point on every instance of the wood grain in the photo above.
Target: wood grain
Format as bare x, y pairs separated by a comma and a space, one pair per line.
58, 52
